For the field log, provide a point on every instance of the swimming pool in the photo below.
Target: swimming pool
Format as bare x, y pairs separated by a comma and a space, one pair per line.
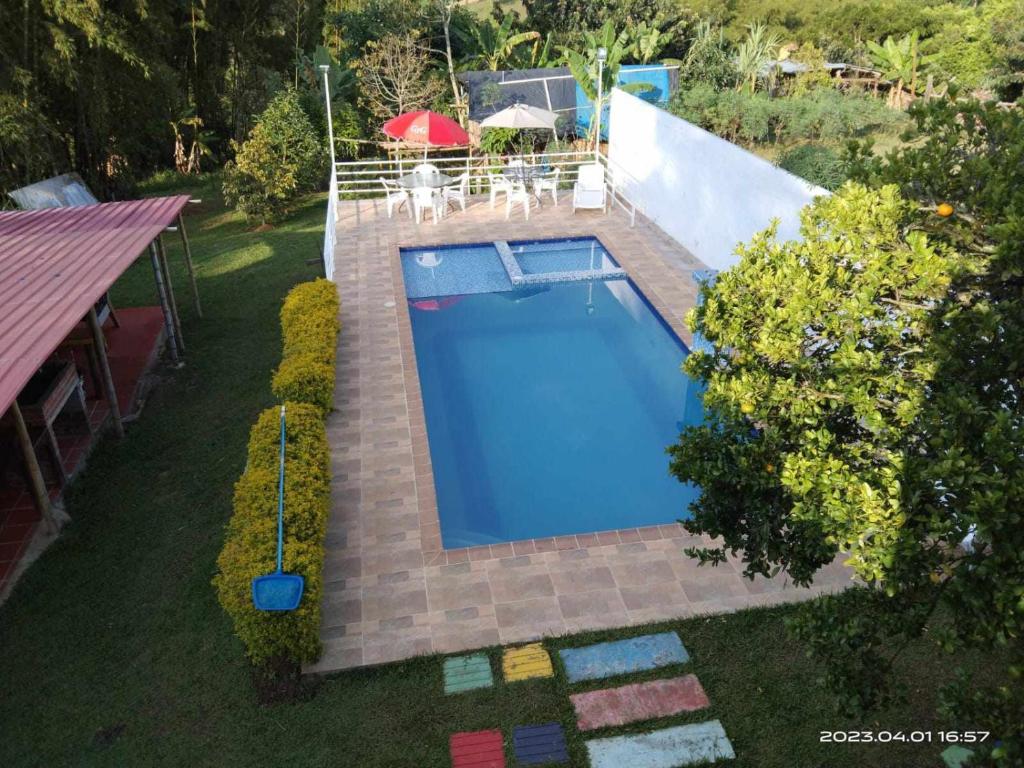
550, 389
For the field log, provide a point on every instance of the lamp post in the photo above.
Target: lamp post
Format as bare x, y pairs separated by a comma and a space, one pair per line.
602, 56
325, 68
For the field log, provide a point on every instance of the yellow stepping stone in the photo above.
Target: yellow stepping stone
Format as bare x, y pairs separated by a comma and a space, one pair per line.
526, 662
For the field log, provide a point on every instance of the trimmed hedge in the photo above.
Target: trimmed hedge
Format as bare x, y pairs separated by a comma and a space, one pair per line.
309, 326
250, 547
305, 382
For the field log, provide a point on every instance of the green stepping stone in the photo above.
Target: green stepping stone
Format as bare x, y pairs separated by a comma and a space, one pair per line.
466, 673
956, 756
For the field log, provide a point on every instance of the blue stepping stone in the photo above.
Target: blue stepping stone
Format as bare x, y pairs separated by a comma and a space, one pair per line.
539, 744
666, 748
621, 657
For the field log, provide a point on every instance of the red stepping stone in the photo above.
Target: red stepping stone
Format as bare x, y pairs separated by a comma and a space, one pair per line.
478, 749
640, 701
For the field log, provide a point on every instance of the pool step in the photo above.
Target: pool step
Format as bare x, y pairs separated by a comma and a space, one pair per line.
539, 744
640, 701
666, 748
467, 673
519, 279
637, 654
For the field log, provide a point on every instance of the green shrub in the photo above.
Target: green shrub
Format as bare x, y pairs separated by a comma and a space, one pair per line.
250, 545
309, 326
305, 378
281, 159
820, 115
815, 163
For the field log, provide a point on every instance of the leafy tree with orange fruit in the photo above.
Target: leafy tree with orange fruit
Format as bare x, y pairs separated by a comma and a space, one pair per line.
865, 398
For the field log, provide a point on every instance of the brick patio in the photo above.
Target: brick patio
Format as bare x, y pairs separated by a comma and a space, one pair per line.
390, 590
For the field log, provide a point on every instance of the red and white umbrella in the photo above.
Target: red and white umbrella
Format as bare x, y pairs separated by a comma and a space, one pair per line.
426, 128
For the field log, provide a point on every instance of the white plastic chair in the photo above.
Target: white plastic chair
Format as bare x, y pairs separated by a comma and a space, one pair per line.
499, 185
456, 193
426, 198
589, 190
548, 183
426, 169
395, 195
517, 193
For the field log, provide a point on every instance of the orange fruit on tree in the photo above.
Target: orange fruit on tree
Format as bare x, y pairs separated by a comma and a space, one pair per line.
944, 210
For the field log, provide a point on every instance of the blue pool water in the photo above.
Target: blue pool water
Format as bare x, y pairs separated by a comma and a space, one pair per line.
548, 407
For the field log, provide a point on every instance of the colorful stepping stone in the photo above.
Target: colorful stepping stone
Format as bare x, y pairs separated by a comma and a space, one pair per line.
467, 673
666, 748
526, 662
477, 749
640, 701
621, 657
539, 744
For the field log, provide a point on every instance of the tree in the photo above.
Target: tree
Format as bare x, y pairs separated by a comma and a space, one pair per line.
495, 45
569, 19
815, 75
864, 397
281, 159
900, 62
649, 41
396, 75
445, 9
708, 60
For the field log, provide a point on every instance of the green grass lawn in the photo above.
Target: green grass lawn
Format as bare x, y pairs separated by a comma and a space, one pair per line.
115, 652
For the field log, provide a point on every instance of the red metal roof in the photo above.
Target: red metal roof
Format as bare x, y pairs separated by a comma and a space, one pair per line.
55, 263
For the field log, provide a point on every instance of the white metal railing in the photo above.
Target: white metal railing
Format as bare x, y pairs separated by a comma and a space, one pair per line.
330, 225
362, 178
619, 183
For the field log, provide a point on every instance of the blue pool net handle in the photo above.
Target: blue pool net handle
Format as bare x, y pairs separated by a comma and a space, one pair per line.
280, 500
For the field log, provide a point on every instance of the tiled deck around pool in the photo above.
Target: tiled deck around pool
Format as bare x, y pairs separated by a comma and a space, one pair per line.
390, 590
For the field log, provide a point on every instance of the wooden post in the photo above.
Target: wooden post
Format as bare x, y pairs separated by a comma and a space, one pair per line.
104, 364
161, 289
188, 265
170, 291
39, 491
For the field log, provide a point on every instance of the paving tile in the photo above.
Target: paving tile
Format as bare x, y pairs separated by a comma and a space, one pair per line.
520, 584
526, 663
539, 744
477, 749
467, 673
581, 577
603, 603
638, 702
620, 657
682, 745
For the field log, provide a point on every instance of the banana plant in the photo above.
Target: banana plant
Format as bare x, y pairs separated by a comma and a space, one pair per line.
341, 80
495, 44
541, 55
584, 68
900, 61
582, 64
648, 41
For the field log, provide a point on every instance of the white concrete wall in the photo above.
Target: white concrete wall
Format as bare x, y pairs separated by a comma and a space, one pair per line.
707, 193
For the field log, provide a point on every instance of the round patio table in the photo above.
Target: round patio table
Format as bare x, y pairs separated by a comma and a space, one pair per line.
429, 180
